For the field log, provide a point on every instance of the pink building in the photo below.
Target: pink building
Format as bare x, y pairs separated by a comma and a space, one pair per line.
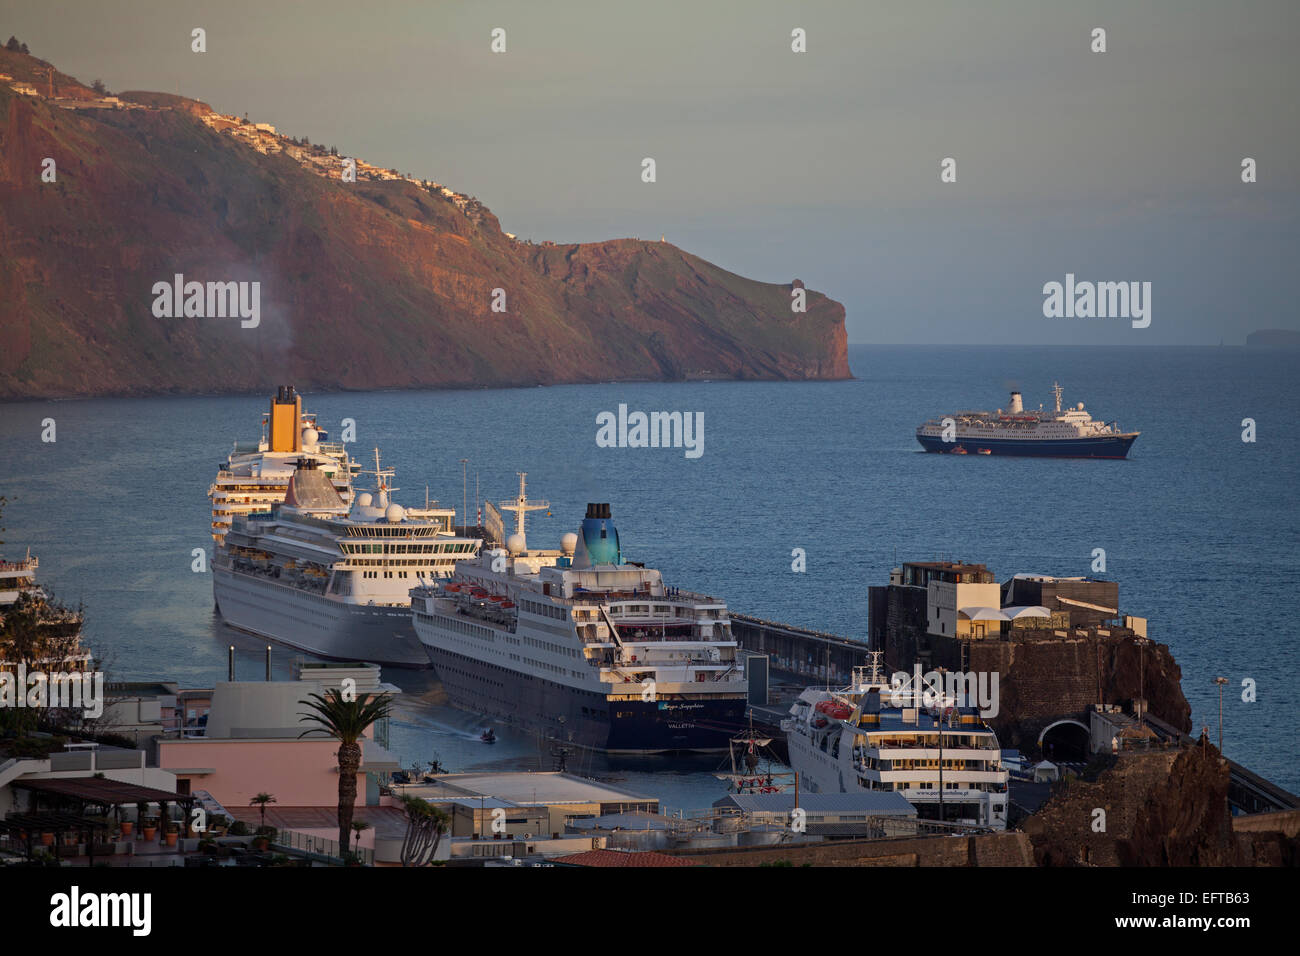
251, 745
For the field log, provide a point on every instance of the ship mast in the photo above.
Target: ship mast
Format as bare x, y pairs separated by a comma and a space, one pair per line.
521, 505
1057, 390
381, 483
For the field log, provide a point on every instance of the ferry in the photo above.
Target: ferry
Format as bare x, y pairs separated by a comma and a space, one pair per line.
1068, 433
333, 579
581, 647
255, 475
881, 735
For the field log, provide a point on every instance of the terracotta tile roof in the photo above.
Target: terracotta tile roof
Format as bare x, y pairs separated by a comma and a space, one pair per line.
621, 858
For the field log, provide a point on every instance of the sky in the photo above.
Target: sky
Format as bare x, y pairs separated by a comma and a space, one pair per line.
1115, 166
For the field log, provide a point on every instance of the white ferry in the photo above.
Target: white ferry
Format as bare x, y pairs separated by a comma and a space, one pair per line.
333, 579
1068, 433
255, 475
581, 647
880, 735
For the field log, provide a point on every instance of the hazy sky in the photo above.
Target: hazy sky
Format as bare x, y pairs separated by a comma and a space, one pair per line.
824, 165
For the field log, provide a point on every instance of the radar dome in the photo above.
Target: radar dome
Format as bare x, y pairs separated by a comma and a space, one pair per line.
364, 499
516, 544
395, 513
310, 437
568, 543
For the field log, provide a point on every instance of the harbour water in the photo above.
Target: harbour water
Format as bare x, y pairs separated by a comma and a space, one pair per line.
1198, 526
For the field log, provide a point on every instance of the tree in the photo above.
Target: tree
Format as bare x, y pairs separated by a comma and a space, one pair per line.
12, 45
99, 87
359, 827
346, 721
23, 49
425, 825
260, 801
37, 627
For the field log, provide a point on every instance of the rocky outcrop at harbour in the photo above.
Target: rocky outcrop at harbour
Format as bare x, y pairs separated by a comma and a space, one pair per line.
1159, 808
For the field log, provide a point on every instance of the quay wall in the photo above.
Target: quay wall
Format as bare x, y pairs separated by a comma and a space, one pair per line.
990, 849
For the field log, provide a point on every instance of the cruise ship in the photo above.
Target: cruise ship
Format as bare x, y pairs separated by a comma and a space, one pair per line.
57, 626
881, 735
255, 475
580, 647
334, 579
1068, 433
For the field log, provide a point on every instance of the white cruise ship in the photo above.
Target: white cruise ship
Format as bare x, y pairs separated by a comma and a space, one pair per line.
878, 735
255, 475
335, 580
58, 627
1062, 433
581, 647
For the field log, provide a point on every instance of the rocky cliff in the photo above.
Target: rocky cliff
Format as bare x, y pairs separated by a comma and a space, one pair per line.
1158, 808
383, 282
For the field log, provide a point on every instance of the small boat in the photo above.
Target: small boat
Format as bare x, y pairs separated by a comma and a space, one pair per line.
488, 737
983, 451
959, 450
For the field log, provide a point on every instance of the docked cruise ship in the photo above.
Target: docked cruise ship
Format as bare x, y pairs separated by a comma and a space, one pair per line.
332, 579
1069, 433
580, 647
255, 475
57, 626
878, 735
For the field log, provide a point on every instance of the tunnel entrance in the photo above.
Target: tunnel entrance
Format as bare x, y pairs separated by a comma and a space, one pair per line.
1065, 740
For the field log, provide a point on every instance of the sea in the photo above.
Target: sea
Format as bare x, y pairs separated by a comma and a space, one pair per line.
1198, 526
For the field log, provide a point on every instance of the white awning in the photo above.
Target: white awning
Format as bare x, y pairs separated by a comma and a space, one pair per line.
982, 614
1028, 610
1085, 604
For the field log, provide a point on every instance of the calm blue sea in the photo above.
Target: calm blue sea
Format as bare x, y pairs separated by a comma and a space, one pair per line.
1199, 528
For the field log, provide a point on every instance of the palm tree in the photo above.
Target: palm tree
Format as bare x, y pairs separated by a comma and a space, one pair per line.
261, 800
359, 827
347, 721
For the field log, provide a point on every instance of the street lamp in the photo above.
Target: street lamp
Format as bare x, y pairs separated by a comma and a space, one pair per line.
464, 493
938, 723
1221, 681
1142, 643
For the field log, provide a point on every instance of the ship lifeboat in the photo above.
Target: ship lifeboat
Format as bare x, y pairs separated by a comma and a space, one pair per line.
984, 451
834, 708
959, 450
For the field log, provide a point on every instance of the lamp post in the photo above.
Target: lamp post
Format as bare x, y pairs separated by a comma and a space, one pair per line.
1221, 681
1142, 643
938, 722
464, 493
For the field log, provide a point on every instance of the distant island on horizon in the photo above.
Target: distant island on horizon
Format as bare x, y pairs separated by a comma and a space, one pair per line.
1274, 338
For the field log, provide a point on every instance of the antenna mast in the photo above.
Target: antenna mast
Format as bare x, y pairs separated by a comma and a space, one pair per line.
521, 505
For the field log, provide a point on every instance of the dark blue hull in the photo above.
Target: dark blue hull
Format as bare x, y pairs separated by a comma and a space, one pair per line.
585, 718
1108, 447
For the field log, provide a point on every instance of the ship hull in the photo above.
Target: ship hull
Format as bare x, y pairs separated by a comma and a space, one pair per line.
310, 622
1116, 446
586, 718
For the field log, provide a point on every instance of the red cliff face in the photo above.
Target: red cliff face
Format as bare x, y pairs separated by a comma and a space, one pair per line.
362, 285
